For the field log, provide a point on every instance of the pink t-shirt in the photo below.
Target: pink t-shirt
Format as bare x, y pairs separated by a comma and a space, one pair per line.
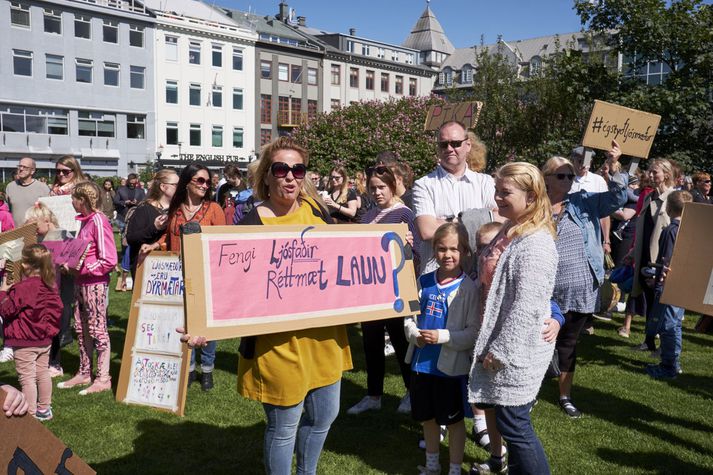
487, 262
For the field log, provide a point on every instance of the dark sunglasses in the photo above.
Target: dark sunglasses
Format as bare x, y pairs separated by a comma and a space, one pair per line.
453, 143
200, 181
562, 176
281, 169
707, 182
377, 170
64, 171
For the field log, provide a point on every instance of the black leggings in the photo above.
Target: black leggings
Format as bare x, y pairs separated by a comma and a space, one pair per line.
567, 339
373, 337
66, 293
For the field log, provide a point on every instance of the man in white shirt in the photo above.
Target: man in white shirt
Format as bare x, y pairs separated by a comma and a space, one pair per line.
451, 188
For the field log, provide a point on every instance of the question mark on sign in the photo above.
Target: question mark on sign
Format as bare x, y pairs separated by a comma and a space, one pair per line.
385, 240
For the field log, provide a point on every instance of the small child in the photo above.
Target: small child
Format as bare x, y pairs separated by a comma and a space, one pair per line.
31, 310
91, 286
6, 222
441, 341
666, 320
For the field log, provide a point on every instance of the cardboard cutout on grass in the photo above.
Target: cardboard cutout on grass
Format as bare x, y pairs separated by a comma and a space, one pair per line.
253, 280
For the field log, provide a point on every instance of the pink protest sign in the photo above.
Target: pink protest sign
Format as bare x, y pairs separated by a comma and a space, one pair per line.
242, 282
68, 251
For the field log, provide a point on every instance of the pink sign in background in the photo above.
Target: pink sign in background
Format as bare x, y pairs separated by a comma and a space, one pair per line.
285, 276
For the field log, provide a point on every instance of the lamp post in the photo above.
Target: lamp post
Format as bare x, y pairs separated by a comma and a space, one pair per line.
179, 149
159, 152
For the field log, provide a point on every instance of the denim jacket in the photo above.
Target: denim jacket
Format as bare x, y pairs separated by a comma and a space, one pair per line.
586, 209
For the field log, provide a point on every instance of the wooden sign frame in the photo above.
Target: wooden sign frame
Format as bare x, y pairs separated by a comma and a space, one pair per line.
28, 233
634, 130
465, 112
171, 302
308, 305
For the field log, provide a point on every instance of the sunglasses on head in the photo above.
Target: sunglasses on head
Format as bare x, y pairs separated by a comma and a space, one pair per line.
377, 170
281, 169
200, 181
64, 171
453, 143
562, 176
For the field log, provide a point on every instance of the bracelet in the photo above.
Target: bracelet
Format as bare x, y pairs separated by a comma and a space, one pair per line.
606, 242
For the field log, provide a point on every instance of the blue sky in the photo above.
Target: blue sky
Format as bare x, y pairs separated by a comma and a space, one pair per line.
464, 21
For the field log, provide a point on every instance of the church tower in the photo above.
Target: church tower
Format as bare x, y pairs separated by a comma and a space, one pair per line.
428, 37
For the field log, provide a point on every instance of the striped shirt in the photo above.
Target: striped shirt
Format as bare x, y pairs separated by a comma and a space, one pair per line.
398, 213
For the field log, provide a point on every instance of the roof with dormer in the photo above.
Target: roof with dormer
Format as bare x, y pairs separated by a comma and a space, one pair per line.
428, 35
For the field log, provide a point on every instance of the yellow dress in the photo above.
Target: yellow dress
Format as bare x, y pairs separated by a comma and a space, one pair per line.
286, 366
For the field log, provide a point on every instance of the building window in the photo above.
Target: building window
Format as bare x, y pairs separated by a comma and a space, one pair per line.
111, 31
394, 55
171, 44
237, 59
370, 80
296, 73
351, 48
312, 76
111, 74
194, 135
266, 69
237, 137
136, 36
366, 50
217, 55
399, 85
467, 75
217, 96
336, 75
265, 109
409, 58
53, 21
296, 110
171, 92
55, 66
265, 136
217, 136
82, 27
137, 77
84, 70
237, 98
448, 77
194, 94
194, 52
412, 86
380, 53
171, 133
335, 104
19, 15
135, 126
384, 82
311, 109
33, 120
353, 77
96, 124
283, 72
535, 65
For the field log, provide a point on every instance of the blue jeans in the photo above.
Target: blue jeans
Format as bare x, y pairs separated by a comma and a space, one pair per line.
285, 424
669, 320
207, 358
526, 454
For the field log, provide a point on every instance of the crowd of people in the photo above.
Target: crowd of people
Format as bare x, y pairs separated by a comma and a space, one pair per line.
510, 270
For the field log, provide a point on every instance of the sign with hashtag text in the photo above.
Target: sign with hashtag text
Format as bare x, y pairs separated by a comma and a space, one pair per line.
634, 130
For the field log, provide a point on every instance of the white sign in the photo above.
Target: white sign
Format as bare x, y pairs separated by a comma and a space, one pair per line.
154, 380
162, 280
62, 208
156, 329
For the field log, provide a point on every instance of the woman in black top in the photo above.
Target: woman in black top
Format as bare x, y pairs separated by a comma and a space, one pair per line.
148, 222
341, 200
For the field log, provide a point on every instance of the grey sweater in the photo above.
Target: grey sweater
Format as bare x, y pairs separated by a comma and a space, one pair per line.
516, 307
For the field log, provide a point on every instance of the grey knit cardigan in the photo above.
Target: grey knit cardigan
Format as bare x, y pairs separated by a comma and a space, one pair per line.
516, 307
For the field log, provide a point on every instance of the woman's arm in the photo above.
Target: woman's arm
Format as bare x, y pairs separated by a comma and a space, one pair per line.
624, 214
350, 209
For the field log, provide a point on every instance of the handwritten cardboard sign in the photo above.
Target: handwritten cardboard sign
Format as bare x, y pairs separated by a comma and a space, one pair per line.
62, 208
28, 234
27, 447
154, 367
465, 112
634, 130
689, 284
68, 251
252, 280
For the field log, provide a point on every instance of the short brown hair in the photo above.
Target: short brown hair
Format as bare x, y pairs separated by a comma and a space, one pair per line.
676, 201
700, 176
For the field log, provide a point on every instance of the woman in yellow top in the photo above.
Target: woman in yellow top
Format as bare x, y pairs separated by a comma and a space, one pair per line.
294, 371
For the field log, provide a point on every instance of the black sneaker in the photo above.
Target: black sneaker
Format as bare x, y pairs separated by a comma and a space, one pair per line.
207, 381
192, 377
569, 409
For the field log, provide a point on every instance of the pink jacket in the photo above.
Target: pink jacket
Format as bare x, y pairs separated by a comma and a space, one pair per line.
6, 218
101, 256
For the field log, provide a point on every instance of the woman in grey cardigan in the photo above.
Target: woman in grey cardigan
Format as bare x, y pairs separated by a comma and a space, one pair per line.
511, 356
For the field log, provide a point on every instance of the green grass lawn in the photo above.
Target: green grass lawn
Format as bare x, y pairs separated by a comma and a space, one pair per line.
631, 423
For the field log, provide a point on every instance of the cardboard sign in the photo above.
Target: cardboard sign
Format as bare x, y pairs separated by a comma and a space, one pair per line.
28, 234
465, 112
154, 367
27, 447
252, 280
68, 251
62, 208
689, 284
634, 130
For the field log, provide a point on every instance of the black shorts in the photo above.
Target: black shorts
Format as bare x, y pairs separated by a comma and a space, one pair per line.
436, 397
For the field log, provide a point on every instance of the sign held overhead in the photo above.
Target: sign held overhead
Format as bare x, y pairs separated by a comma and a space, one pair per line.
634, 130
465, 112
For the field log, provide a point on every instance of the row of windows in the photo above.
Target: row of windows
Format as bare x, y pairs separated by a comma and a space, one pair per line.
367, 49
22, 64
56, 122
195, 135
195, 49
20, 17
289, 109
289, 73
370, 78
445, 77
194, 95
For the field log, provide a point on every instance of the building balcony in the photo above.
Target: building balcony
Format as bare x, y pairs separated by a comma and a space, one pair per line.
292, 118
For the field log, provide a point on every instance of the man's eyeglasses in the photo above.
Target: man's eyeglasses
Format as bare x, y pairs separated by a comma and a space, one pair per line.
453, 143
200, 181
23, 167
64, 171
562, 176
281, 169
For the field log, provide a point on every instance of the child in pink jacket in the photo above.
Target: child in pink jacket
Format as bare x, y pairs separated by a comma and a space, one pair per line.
91, 287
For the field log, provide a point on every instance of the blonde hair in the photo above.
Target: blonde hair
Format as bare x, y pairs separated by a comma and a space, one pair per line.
71, 163
40, 211
262, 167
667, 168
360, 181
157, 180
478, 152
88, 192
448, 229
344, 191
554, 163
538, 213
38, 258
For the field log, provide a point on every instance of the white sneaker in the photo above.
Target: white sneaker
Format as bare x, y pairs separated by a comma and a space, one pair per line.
405, 405
368, 403
620, 307
7, 354
389, 349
